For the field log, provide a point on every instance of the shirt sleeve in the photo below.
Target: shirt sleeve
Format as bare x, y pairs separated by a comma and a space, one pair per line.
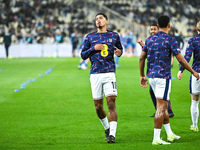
174, 46
119, 45
86, 49
188, 53
145, 47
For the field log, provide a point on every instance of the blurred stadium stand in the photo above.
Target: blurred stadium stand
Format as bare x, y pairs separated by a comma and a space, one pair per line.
42, 19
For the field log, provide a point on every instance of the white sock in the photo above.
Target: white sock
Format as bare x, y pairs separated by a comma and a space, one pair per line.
168, 129
156, 135
194, 112
113, 128
105, 123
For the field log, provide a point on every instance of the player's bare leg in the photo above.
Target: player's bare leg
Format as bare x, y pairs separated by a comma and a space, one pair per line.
166, 116
112, 117
102, 117
160, 113
160, 118
99, 108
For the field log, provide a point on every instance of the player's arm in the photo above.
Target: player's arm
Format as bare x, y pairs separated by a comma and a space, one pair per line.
87, 50
140, 42
185, 64
118, 47
187, 57
143, 79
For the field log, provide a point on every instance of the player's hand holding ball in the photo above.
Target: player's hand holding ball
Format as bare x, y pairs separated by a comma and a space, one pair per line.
98, 47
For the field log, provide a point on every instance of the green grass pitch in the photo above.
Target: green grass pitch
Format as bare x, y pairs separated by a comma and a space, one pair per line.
56, 112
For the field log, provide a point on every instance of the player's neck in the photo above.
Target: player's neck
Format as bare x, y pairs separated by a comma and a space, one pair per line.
166, 30
102, 30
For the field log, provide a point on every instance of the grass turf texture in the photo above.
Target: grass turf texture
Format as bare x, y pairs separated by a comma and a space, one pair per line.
57, 111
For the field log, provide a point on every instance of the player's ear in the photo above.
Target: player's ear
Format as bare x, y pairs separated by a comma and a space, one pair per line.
158, 26
169, 26
197, 29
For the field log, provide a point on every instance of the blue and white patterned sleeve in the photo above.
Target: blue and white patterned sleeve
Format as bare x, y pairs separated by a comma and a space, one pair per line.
86, 49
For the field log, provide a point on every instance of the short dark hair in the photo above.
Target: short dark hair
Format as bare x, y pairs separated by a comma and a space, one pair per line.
102, 15
154, 23
163, 21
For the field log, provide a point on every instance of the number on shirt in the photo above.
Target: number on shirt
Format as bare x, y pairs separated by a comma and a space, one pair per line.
104, 52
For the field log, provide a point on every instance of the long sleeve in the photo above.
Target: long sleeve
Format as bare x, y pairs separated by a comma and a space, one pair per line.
188, 53
86, 49
119, 46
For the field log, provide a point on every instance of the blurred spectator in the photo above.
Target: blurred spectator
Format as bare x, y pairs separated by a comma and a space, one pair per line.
49, 38
7, 42
128, 43
75, 42
44, 17
134, 42
185, 13
179, 39
19, 36
29, 38
58, 36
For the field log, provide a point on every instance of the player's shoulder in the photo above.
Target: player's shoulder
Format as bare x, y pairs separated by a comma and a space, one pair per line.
149, 38
113, 33
191, 39
197, 37
91, 34
168, 37
152, 37
194, 39
171, 37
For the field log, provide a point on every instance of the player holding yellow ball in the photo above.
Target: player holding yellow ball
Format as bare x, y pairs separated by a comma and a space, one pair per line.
100, 47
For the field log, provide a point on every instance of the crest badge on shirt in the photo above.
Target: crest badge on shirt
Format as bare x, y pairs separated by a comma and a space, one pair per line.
110, 40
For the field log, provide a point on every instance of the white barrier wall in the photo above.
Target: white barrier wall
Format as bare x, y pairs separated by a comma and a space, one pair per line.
44, 50
37, 50
50, 50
